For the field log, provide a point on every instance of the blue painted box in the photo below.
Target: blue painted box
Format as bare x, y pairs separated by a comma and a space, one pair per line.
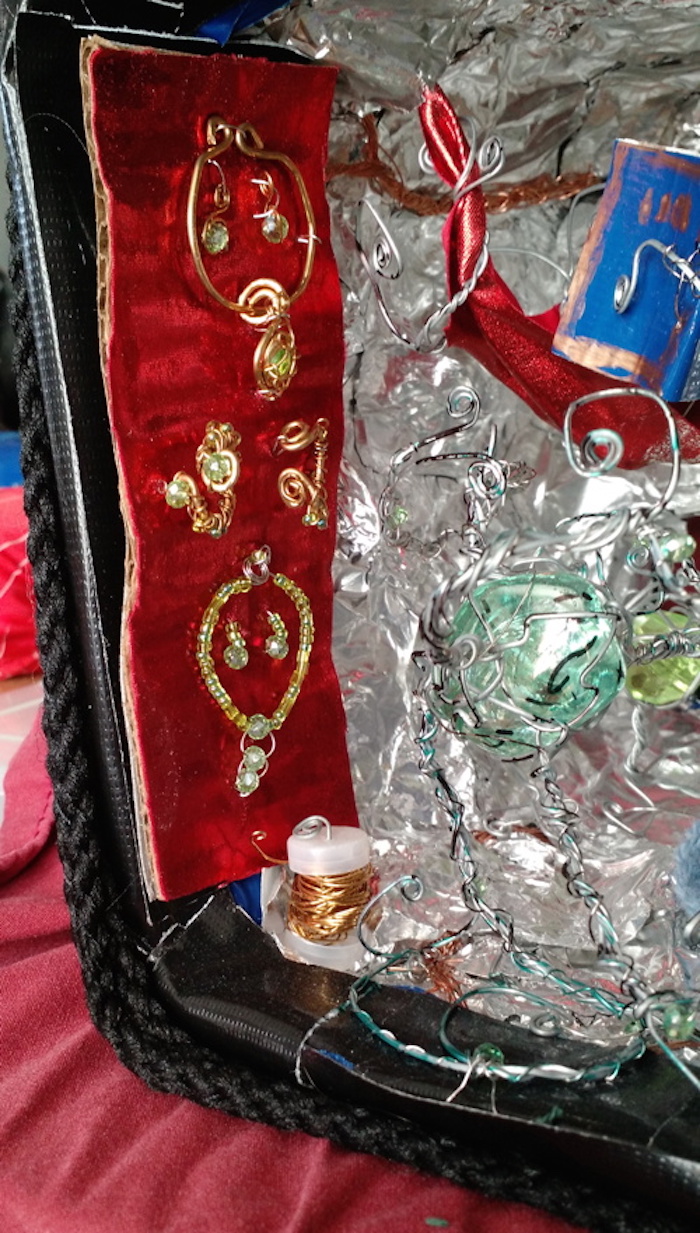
633, 307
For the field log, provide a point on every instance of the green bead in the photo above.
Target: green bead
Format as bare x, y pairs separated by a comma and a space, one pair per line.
548, 648
675, 546
277, 648
247, 781
281, 360
215, 237
663, 681
275, 227
177, 494
216, 468
235, 657
490, 1054
679, 1021
258, 727
255, 758
398, 516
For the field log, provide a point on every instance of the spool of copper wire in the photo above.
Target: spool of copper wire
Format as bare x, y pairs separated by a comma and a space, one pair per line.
331, 886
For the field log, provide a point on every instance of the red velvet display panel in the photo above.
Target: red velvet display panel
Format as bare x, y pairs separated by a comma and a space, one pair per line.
175, 359
515, 348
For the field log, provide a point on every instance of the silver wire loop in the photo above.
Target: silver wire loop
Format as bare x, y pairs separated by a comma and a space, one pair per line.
601, 437
412, 889
680, 267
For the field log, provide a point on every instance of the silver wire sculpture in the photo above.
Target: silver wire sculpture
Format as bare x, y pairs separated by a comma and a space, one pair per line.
596, 573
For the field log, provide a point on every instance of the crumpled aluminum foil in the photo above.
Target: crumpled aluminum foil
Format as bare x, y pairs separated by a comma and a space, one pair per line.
557, 84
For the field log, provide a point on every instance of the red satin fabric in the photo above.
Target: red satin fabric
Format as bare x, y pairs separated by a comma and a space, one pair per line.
516, 348
175, 360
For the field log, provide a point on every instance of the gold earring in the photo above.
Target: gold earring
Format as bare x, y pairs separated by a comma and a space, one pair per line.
214, 233
236, 652
277, 644
218, 466
296, 487
264, 303
275, 226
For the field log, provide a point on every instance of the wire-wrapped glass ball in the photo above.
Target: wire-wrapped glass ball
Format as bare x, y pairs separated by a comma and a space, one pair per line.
529, 656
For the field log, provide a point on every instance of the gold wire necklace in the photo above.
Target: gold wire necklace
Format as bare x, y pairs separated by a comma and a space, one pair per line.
258, 727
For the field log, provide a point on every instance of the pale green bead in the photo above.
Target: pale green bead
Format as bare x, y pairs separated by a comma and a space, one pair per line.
663, 681
247, 781
277, 648
216, 468
215, 237
275, 227
554, 637
674, 545
255, 758
177, 494
235, 657
258, 727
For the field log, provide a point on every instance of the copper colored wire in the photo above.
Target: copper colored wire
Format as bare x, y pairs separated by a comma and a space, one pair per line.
325, 909
387, 178
437, 960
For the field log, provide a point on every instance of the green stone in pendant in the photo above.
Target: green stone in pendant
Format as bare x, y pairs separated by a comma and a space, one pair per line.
281, 361
547, 659
663, 681
277, 648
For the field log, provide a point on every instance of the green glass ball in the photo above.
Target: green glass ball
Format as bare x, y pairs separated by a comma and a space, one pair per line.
547, 654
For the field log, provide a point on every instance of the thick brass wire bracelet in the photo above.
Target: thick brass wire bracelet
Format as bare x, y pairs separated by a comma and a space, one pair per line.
264, 303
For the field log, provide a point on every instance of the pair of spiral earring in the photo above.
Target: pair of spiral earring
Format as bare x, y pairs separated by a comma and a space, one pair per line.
218, 467
276, 644
274, 226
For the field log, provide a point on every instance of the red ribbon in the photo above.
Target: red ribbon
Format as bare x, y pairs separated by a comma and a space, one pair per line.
515, 348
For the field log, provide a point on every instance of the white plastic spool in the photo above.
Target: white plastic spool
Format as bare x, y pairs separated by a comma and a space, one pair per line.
317, 849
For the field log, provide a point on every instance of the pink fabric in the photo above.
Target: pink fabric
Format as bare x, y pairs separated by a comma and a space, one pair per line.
87, 1148
18, 653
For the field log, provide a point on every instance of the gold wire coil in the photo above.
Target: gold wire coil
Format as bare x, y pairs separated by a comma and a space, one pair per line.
296, 486
326, 909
